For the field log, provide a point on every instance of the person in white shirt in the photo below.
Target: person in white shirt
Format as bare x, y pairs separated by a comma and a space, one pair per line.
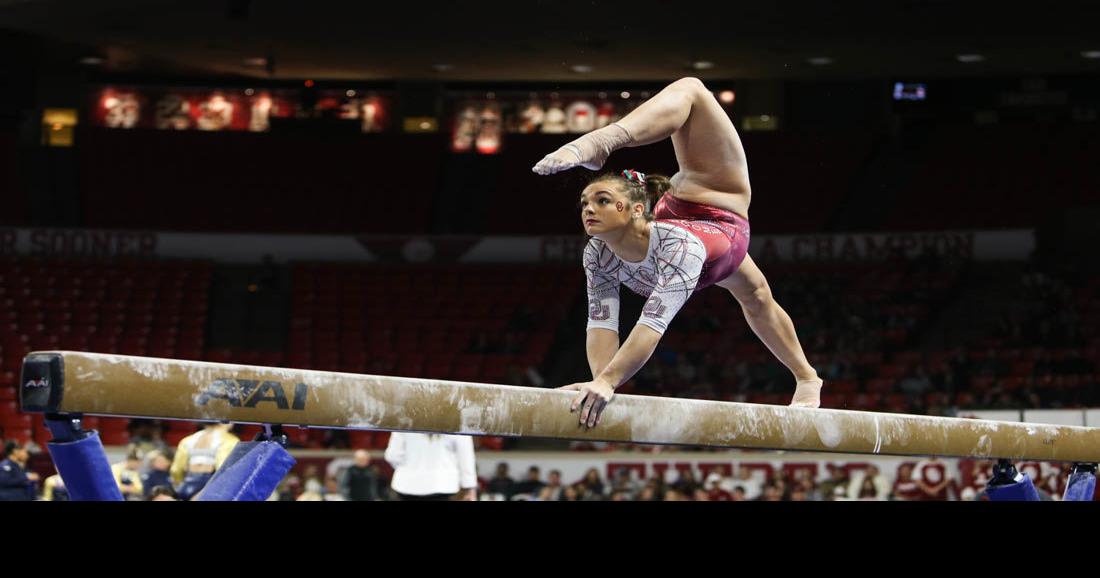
432, 466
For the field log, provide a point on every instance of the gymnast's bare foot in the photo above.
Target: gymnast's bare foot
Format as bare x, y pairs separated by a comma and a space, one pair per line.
807, 393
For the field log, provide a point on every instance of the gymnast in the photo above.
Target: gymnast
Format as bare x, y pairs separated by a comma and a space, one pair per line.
695, 236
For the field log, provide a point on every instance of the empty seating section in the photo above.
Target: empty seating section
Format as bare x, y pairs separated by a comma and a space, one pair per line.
153, 308
800, 178
468, 322
998, 176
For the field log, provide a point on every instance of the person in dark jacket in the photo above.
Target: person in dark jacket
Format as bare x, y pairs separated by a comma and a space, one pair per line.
16, 484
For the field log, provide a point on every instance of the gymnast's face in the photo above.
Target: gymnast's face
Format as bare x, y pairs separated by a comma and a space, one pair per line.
605, 208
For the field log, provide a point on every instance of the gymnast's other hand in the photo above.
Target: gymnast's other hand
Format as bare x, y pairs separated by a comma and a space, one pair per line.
592, 397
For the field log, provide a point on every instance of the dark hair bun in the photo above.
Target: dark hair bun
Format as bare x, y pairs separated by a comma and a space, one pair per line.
655, 186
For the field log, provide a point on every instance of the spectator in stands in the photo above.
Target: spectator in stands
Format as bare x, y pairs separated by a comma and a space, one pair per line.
837, 477
671, 495
332, 491
771, 493
617, 496
157, 472
905, 487
163, 493
314, 491
778, 479
290, 488
198, 456
624, 482
313, 472
648, 494
799, 493
359, 481
868, 484
685, 484
432, 467
501, 483
713, 489
53, 489
657, 482
530, 485
128, 476
593, 483
146, 435
16, 483
750, 485
570, 493
1056, 480
553, 488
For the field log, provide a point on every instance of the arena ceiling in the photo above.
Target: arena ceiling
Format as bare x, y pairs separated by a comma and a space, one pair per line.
543, 40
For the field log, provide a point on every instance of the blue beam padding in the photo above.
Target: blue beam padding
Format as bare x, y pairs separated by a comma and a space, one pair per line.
251, 472
85, 470
1081, 487
1020, 490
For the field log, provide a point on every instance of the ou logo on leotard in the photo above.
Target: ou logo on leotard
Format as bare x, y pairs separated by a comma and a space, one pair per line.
653, 307
597, 311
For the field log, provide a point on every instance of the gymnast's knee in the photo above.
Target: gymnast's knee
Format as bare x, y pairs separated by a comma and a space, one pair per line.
692, 86
758, 300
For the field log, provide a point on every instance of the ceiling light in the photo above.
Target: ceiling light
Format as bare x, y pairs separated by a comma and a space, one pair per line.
581, 68
1091, 54
819, 60
702, 65
624, 94
442, 67
92, 60
727, 96
969, 58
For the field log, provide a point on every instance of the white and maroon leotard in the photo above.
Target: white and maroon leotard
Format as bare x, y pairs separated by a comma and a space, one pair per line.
691, 247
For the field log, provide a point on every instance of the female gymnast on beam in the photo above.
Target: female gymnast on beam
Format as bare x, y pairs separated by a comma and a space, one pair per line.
697, 235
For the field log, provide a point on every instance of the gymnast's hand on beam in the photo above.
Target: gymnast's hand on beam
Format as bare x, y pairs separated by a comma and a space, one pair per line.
592, 397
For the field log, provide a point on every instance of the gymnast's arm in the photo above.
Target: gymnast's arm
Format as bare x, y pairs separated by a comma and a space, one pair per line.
601, 345
679, 267
602, 339
636, 350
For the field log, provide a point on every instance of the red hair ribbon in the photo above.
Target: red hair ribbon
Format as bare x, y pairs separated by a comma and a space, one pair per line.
634, 176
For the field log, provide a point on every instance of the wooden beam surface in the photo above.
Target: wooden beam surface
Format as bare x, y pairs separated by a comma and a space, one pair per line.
118, 385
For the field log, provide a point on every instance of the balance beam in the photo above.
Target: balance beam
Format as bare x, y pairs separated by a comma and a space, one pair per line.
67, 382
